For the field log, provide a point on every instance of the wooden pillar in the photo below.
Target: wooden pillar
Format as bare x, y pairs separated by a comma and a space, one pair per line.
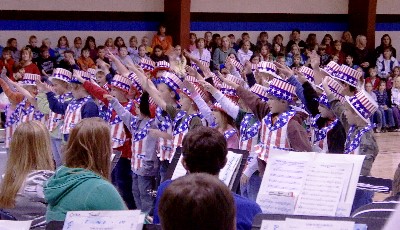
362, 19
177, 20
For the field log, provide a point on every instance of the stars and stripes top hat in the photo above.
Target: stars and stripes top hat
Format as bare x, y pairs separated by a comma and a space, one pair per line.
331, 68
30, 79
147, 64
267, 67
239, 67
135, 82
92, 71
61, 74
83, 74
348, 75
308, 73
204, 63
191, 79
121, 82
254, 67
260, 90
363, 104
281, 89
172, 81
323, 99
228, 90
335, 86
162, 65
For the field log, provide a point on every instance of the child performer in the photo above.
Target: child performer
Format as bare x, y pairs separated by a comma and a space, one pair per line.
60, 81
82, 106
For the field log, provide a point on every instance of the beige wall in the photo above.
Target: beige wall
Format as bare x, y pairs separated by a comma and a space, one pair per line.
388, 7
85, 5
272, 6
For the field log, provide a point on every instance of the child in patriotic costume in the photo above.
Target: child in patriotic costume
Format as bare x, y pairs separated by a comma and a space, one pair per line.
281, 125
60, 84
82, 106
121, 137
23, 102
145, 163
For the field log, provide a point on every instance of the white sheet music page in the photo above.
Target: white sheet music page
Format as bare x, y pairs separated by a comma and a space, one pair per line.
104, 220
285, 172
322, 189
301, 224
179, 169
12, 225
229, 171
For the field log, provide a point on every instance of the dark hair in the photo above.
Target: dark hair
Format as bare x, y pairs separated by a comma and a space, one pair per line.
231, 35
254, 56
349, 55
88, 39
116, 41
85, 49
69, 52
122, 46
144, 105
215, 36
100, 47
197, 201
296, 30
390, 40
204, 149
10, 40
6, 50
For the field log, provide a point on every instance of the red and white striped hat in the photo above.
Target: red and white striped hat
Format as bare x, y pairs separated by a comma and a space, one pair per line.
216, 80
30, 79
260, 90
83, 74
308, 73
281, 89
204, 63
239, 67
348, 75
254, 67
91, 71
121, 82
363, 104
228, 90
331, 68
135, 82
162, 65
267, 67
61, 74
147, 64
171, 80
191, 79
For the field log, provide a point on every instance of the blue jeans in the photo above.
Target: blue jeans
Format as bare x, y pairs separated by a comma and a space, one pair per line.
163, 170
389, 119
141, 188
56, 149
121, 178
250, 190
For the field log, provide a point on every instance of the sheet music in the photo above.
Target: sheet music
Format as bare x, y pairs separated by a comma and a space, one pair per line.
104, 220
229, 171
301, 224
273, 225
322, 189
279, 203
12, 225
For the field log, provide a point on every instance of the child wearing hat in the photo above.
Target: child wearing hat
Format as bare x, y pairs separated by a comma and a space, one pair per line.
82, 106
23, 105
144, 163
60, 86
281, 125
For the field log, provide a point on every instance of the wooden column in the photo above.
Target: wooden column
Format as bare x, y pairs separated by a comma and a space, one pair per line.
177, 20
362, 19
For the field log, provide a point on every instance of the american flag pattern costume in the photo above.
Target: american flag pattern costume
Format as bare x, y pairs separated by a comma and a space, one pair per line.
274, 136
248, 133
73, 114
55, 120
164, 124
181, 129
139, 143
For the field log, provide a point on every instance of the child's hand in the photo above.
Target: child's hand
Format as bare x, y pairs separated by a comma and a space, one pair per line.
42, 87
315, 60
188, 55
285, 70
108, 97
190, 70
228, 82
300, 77
4, 72
189, 86
208, 87
79, 78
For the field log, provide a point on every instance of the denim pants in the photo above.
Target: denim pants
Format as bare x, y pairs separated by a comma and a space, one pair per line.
121, 178
141, 188
388, 115
250, 190
56, 149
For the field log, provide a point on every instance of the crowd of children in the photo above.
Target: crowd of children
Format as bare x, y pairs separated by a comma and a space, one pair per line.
153, 100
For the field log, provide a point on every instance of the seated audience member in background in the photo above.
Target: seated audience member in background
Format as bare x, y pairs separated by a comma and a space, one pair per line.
382, 209
385, 63
29, 165
295, 39
204, 151
82, 184
198, 201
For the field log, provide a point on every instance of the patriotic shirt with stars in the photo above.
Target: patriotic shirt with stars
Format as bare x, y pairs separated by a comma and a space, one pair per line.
182, 128
55, 120
274, 136
248, 133
73, 113
353, 139
164, 124
321, 135
139, 142
118, 134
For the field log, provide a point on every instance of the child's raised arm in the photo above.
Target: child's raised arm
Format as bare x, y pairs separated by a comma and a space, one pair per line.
26, 94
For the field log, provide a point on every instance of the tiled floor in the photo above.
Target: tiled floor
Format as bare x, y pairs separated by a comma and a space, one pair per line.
389, 157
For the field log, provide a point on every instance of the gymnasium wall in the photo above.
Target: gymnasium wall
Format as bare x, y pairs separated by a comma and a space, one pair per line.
111, 18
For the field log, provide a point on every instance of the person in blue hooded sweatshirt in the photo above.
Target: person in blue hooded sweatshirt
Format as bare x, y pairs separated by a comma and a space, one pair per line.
82, 183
